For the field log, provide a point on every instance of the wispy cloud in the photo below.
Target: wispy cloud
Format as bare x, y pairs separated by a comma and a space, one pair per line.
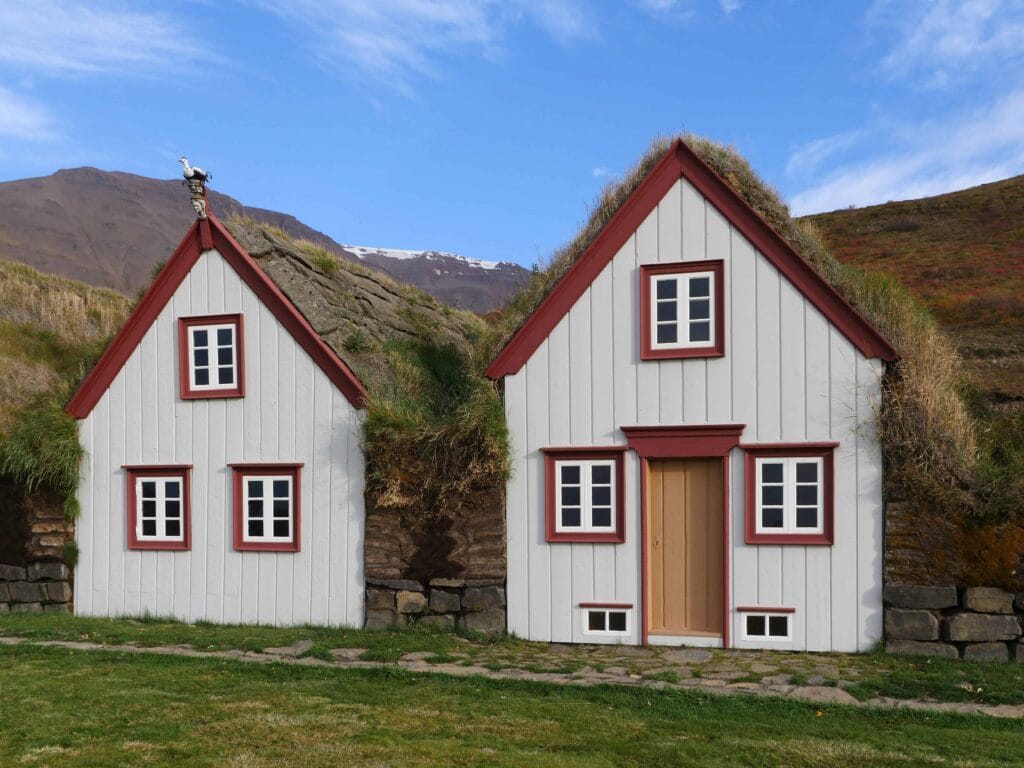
730, 6
398, 41
939, 43
65, 37
22, 118
927, 158
809, 158
600, 172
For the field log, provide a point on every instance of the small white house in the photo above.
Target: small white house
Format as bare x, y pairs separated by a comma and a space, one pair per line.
691, 418
223, 476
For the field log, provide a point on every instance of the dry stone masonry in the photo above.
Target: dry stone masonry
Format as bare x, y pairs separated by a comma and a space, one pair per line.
977, 624
475, 605
39, 587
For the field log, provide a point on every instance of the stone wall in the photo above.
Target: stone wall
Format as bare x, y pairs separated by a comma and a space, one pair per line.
475, 605
978, 623
41, 586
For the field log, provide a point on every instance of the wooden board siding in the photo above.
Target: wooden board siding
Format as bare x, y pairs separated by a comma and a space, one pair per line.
788, 374
291, 413
685, 530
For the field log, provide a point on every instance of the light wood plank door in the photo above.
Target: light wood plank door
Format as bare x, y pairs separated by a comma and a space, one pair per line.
685, 547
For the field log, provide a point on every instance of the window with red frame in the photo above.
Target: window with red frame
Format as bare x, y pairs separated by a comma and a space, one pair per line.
789, 494
584, 494
211, 356
266, 507
682, 310
159, 507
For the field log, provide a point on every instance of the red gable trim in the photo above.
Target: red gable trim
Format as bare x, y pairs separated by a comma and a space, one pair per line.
202, 236
681, 161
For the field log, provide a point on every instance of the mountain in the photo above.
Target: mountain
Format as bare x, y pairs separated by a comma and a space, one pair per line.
962, 254
110, 229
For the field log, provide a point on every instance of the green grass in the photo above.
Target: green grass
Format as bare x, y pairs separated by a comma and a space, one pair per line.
69, 708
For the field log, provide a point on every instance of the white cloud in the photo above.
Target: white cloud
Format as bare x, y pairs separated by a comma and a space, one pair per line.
400, 40
928, 158
600, 172
808, 158
67, 37
21, 118
730, 5
941, 42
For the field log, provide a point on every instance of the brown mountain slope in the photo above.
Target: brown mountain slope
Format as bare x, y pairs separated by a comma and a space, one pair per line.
962, 253
109, 229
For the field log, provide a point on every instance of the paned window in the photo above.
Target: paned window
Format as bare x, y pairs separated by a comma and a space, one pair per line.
211, 356
158, 507
789, 494
584, 494
682, 312
267, 506
767, 626
606, 621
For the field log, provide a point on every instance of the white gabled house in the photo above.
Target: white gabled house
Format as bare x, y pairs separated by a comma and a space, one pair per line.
691, 417
223, 475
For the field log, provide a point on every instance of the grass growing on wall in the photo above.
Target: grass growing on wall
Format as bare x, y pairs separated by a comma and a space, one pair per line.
968, 463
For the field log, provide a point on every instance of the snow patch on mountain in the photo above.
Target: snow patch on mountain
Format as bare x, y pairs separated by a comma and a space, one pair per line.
362, 252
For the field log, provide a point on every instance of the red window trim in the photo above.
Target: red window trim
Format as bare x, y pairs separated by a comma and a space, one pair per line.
294, 469
696, 441
762, 609
823, 450
551, 455
184, 364
183, 471
610, 606
647, 273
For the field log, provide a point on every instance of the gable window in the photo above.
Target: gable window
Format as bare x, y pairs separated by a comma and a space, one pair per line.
585, 495
266, 506
211, 356
789, 494
158, 507
682, 310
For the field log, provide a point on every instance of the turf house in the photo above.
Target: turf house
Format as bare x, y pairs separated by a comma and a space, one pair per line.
675, 434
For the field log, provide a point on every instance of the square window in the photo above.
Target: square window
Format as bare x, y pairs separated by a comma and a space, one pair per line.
778, 626
789, 494
756, 626
211, 357
617, 621
266, 504
596, 621
158, 507
681, 306
584, 496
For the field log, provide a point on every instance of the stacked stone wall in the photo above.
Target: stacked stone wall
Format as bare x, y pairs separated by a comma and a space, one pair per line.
474, 605
978, 623
36, 588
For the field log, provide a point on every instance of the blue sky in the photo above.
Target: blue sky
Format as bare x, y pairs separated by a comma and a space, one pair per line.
488, 127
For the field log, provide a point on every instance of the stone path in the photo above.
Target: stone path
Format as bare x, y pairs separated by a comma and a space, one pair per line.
813, 680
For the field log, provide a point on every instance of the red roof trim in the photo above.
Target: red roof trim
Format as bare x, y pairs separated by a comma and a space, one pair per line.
681, 161
201, 237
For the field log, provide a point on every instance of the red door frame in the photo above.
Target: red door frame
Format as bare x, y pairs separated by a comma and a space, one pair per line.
705, 441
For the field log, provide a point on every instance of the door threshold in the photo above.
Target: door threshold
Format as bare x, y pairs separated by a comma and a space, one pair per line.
694, 641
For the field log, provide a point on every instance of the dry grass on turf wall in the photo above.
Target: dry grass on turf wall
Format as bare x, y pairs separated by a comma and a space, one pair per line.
70, 708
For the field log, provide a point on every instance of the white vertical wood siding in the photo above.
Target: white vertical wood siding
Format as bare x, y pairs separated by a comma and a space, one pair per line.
291, 413
788, 375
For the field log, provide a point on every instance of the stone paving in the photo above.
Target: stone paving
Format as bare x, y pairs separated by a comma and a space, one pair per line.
818, 680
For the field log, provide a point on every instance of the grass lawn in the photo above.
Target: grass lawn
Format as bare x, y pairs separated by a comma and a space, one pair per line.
73, 708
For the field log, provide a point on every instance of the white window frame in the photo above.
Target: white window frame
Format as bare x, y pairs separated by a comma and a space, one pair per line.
161, 508
585, 612
212, 348
586, 496
268, 518
767, 615
683, 319
789, 493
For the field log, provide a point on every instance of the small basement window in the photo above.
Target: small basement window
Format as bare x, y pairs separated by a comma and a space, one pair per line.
266, 505
211, 356
767, 626
584, 494
789, 494
158, 507
606, 621
682, 310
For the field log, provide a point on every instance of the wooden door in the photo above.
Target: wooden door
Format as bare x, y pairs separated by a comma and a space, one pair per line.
685, 546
